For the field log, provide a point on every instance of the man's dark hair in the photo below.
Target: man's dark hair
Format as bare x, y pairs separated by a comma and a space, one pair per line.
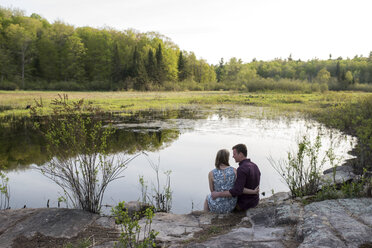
241, 148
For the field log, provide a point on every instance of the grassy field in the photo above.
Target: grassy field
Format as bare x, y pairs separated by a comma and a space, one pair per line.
15, 102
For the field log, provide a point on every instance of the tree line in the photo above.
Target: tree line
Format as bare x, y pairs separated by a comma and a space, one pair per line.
37, 54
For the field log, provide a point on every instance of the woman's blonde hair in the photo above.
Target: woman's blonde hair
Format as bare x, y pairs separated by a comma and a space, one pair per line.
222, 157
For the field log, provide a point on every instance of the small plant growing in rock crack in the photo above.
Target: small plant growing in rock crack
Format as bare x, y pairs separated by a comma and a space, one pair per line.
84, 243
132, 234
161, 199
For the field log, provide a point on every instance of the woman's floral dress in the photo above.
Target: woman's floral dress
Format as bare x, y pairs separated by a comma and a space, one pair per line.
222, 180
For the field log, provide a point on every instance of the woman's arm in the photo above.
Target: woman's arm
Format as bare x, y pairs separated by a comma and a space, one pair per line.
255, 191
210, 180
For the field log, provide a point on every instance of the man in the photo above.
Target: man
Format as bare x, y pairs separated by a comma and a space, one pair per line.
248, 176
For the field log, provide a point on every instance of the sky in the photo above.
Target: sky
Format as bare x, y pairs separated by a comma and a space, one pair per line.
215, 29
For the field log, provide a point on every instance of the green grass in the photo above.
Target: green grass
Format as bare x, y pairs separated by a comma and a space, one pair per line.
13, 103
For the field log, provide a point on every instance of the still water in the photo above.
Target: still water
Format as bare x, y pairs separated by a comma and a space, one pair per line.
187, 147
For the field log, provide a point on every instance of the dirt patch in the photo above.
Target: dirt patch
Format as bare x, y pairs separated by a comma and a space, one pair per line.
93, 235
221, 224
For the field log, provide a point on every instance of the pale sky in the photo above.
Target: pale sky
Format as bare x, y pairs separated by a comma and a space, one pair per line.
212, 29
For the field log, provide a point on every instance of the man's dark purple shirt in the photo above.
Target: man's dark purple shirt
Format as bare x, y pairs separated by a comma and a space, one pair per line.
248, 176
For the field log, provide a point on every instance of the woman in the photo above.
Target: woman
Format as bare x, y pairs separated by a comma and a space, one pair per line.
222, 178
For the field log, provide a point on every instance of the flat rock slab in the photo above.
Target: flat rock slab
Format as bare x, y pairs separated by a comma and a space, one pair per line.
48, 224
331, 223
275, 222
337, 223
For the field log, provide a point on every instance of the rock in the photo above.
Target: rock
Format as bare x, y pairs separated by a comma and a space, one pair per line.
277, 221
333, 223
276, 198
174, 228
136, 207
337, 223
52, 226
342, 174
247, 237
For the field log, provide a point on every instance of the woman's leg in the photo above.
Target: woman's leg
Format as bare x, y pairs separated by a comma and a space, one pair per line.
206, 208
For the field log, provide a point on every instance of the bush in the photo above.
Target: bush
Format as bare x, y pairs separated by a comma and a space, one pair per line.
302, 170
80, 162
65, 85
284, 85
5, 85
354, 118
361, 87
130, 228
98, 86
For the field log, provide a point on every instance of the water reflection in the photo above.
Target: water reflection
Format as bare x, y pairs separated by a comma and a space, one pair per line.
186, 143
21, 145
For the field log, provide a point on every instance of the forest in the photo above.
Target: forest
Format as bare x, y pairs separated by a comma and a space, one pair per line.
38, 55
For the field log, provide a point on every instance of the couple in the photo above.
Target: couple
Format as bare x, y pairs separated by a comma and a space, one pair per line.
230, 188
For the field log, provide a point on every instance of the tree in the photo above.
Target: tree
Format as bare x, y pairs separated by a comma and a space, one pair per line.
323, 76
6, 66
77, 142
138, 70
160, 66
21, 38
220, 71
151, 65
116, 64
349, 77
98, 54
183, 69
48, 57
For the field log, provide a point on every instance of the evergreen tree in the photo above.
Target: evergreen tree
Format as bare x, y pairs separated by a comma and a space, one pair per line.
160, 66
181, 65
338, 71
151, 65
138, 71
116, 65
220, 71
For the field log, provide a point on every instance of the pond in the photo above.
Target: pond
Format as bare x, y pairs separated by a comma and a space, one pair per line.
185, 142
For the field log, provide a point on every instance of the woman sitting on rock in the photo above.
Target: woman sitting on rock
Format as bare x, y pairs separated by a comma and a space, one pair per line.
222, 178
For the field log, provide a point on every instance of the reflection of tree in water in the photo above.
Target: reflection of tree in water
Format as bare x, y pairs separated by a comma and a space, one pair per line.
21, 146
131, 142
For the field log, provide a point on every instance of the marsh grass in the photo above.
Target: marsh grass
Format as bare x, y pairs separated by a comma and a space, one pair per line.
15, 102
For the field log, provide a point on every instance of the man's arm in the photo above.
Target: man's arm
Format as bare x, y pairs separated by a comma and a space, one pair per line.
215, 194
255, 191
246, 191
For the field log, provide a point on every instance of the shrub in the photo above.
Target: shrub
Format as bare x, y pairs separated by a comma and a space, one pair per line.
361, 87
77, 141
5, 85
130, 228
302, 170
65, 85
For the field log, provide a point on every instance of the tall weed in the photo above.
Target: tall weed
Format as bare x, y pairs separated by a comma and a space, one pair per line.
302, 169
